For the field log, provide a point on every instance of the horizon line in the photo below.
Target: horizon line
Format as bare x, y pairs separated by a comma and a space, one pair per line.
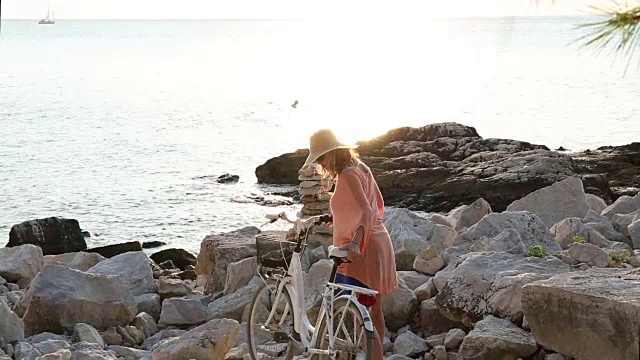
298, 19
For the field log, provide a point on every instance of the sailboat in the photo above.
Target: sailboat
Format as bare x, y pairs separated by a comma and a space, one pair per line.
49, 19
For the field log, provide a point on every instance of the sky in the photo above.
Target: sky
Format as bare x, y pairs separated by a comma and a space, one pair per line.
286, 9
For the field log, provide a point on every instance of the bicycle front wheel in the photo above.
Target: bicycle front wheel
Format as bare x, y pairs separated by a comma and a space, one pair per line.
270, 324
352, 341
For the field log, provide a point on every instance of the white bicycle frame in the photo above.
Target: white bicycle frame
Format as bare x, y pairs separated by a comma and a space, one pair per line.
295, 287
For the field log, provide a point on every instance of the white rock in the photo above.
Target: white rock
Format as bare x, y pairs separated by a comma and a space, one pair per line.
440, 352
150, 304
98, 300
508, 241
453, 338
413, 279
146, 324
232, 306
25, 351
63, 354
634, 233
90, 351
88, 333
494, 338
609, 304
623, 205
429, 267
621, 222
11, 326
179, 311
46, 336
52, 346
411, 234
153, 341
555, 356
491, 283
589, 254
20, 264
595, 203
132, 268
567, 230
544, 202
426, 291
239, 274
531, 229
82, 261
168, 288
130, 353
469, 215
409, 344
399, 307
210, 341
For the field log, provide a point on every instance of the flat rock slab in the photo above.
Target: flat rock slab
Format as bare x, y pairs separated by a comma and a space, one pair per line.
588, 315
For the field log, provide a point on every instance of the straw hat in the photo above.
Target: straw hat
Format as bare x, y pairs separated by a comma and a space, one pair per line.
321, 142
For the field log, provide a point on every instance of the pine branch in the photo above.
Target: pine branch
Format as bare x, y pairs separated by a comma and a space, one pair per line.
620, 31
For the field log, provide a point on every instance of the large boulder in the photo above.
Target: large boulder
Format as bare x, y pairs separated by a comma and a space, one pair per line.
232, 306
53, 235
210, 341
399, 307
59, 298
480, 284
180, 257
531, 229
178, 311
218, 251
544, 202
132, 268
411, 234
587, 315
494, 338
623, 205
11, 326
82, 261
20, 264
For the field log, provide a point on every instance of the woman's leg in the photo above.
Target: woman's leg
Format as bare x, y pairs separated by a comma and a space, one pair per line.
378, 323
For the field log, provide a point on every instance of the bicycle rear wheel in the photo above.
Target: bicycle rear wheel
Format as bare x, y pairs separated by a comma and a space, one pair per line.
272, 339
352, 340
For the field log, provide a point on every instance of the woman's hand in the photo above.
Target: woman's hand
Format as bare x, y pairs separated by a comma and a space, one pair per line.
354, 250
354, 246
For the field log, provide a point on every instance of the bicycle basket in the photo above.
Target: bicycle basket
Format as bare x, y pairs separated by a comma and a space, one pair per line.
273, 251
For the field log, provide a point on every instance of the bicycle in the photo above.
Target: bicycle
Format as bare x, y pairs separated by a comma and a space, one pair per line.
343, 329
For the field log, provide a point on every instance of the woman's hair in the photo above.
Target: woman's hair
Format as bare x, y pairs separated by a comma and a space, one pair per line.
338, 160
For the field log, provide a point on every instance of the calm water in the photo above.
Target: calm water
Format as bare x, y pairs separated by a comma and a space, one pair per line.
124, 125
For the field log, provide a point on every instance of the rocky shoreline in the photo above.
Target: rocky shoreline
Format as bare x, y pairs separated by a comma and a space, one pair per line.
553, 274
440, 166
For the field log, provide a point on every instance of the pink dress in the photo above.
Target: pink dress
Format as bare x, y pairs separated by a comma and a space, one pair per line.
357, 201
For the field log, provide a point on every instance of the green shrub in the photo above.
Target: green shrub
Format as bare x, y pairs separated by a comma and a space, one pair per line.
579, 239
620, 256
537, 251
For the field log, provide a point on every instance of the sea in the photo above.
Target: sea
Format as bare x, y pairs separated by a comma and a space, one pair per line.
126, 125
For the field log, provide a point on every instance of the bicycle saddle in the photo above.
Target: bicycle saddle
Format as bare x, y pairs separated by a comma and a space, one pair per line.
335, 251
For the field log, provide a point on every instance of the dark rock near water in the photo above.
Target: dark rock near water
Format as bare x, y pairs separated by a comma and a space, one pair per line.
180, 258
441, 166
282, 169
227, 179
618, 165
110, 251
53, 235
153, 244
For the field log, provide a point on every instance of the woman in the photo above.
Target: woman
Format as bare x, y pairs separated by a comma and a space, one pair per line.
357, 208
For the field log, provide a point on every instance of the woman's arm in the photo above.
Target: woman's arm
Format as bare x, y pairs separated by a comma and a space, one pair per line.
353, 184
